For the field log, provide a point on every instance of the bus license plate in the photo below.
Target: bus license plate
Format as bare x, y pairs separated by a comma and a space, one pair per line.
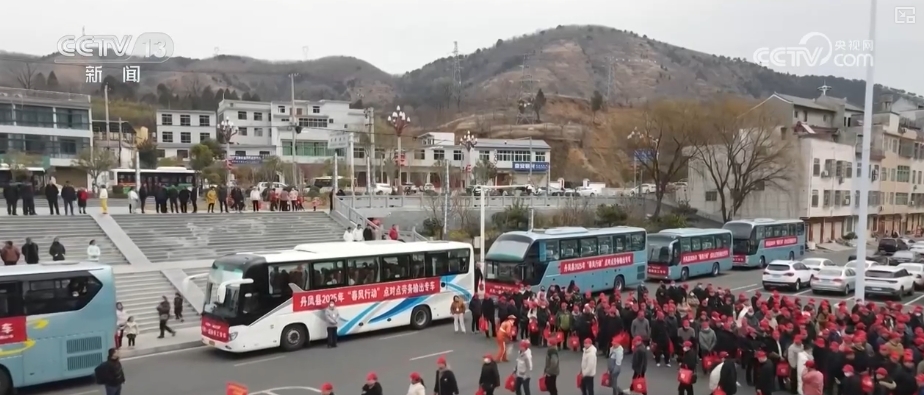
875, 289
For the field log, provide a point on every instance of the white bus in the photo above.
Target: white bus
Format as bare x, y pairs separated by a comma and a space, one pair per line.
260, 300
121, 180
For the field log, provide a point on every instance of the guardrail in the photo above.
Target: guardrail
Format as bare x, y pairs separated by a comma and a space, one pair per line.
413, 201
348, 216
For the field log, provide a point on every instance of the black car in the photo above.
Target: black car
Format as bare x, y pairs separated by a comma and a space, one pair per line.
890, 245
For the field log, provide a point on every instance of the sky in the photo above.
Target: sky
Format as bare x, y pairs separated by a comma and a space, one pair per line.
402, 35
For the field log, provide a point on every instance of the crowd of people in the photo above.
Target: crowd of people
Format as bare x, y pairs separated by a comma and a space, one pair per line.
177, 199
23, 193
30, 253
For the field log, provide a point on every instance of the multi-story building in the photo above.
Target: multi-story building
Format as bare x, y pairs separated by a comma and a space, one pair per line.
179, 130
50, 126
821, 186
121, 140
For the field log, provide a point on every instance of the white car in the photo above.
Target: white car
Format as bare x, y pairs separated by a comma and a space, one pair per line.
889, 280
853, 264
816, 264
916, 270
790, 274
908, 256
585, 191
382, 189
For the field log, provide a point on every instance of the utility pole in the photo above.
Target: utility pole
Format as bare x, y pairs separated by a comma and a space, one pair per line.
524, 103
370, 156
106, 99
121, 138
297, 180
609, 76
457, 75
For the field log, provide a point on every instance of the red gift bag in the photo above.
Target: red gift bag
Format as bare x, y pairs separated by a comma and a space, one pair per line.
709, 361
480, 391
574, 342
542, 386
866, 383
552, 321
605, 380
685, 376
639, 385
533, 326
718, 391
511, 382
595, 328
559, 337
482, 324
579, 377
547, 333
782, 369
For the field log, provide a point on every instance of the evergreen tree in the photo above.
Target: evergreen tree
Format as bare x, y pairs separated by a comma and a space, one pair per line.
246, 96
51, 83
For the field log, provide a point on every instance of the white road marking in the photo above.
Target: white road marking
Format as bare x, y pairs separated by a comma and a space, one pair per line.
743, 287
803, 292
258, 361
271, 391
163, 353
397, 336
915, 300
431, 355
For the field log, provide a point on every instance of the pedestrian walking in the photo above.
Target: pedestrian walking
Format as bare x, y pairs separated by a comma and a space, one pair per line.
372, 386
103, 199
327, 389
417, 385
445, 382
10, 254
178, 307
490, 376
110, 375
93, 252
333, 321
588, 367
524, 367
551, 370
30, 252
57, 250
614, 365
163, 312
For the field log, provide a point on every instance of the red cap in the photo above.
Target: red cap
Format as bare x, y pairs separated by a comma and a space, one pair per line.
371, 376
882, 371
441, 361
688, 344
488, 356
848, 369
723, 354
327, 387
416, 376
810, 364
761, 354
587, 342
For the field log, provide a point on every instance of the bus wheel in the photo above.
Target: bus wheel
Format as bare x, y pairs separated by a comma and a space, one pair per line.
763, 263
6, 383
715, 269
684, 274
294, 337
618, 284
792, 256
420, 317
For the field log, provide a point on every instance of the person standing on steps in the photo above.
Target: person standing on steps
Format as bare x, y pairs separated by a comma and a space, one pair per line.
142, 197
184, 200
51, 194
163, 312
93, 251
222, 199
11, 195
56, 250
173, 194
103, 199
211, 197
178, 307
30, 252
133, 200
27, 193
82, 196
10, 254
68, 196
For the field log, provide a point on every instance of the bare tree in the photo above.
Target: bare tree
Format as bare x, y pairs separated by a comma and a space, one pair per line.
25, 75
742, 153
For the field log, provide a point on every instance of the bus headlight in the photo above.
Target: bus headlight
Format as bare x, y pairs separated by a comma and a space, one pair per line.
232, 336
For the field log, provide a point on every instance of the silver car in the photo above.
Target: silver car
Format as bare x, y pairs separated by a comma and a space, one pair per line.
842, 280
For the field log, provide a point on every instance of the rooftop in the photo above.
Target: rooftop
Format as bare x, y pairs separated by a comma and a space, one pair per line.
32, 96
819, 105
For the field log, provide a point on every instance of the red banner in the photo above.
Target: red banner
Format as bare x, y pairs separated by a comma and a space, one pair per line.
780, 241
492, 288
215, 330
13, 330
704, 256
347, 296
580, 265
233, 388
657, 270
739, 259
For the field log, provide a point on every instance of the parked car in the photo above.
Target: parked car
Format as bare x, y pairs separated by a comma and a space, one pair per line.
916, 270
905, 256
817, 264
788, 274
382, 189
585, 191
842, 280
890, 246
891, 281
869, 263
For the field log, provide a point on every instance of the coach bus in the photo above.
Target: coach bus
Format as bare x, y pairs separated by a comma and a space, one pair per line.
260, 300
678, 254
120, 180
756, 242
57, 322
594, 259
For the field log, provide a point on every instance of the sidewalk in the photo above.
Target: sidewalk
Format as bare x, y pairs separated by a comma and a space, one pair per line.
148, 343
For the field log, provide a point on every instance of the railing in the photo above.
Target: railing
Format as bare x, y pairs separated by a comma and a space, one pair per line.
416, 201
43, 95
353, 217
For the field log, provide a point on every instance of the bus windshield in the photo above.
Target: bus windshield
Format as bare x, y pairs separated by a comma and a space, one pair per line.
508, 272
509, 248
741, 238
659, 248
228, 308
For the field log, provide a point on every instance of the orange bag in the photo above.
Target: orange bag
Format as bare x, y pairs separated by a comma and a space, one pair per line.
639, 385
511, 383
782, 369
685, 376
542, 386
605, 380
574, 342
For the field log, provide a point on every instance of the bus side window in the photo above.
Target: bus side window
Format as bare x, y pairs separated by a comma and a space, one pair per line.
327, 274
551, 250
10, 300
605, 245
439, 261
59, 294
569, 249
696, 244
418, 265
685, 245
800, 228
637, 241
619, 243
761, 233
394, 267
784, 229
725, 239
589, 247
460, 259
708, 242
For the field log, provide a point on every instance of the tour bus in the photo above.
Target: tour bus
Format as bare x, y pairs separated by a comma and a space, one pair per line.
678, 254
34, 175
120, 180
756, 242
259, 300
594, 259
58, 322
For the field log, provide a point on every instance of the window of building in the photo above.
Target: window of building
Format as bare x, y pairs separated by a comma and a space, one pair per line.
306, 148
204, 136
837, 199
258, 116
712, 196
182, 154
316, 109
540, 156
242, 131
166, 137
420, 154
242, 115
521, 156
848, 169
504, 156
264, 153
484, 156
71, 118
901, 198
161, 153
814, 198
892, 174
258, 132
240, 153
185, 137
359, 153
827, 198
438, 154
67, 146
838, 168
166, 119
281, 109
829, 167
903, 174
204, 120
859, 169
298, 111
185, 121
457, 155
313, 122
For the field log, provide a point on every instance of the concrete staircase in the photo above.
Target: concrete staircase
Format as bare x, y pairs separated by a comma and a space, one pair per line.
140, 292
180, 237
74, 232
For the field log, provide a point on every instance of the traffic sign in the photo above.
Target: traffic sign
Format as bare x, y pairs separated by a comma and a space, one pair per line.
338, 140
645, 155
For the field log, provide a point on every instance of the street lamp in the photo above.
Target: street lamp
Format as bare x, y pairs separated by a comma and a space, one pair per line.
469, 142
399, 120
226, 130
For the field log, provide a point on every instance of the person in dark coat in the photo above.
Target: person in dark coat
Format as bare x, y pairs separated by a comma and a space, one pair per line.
765, 374
51, 194
639, 358
445, 383
728, 376
194, 199
142, 196
488, 311
11, 195
68, 196
56, 250
223, 199
30, 251
237, 196
27, 194
160, 199
173, 194
688, 361
490, 376
372, 385
475, 307
368, 234
184, 200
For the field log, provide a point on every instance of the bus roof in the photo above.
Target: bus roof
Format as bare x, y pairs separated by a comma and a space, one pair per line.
691, 232
557, 233
339, 249
764, 221
56, 267
162, 169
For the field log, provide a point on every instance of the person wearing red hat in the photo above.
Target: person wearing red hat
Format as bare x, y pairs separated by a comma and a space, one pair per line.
417, 386
707, 339
505, 333
639, 357
551, 368
372, 386
490, 376
327, 389
802, 357
724, 375
445, 382
588, 368
765, 381
813, 381
524, 366
883, 383
687, 360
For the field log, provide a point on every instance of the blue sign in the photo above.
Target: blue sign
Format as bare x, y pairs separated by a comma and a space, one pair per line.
535, 166
645, 155
246, 159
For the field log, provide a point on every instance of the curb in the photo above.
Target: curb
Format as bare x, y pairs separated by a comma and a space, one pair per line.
126, 353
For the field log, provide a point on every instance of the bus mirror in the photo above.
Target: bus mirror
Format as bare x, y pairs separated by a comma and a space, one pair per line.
223, 287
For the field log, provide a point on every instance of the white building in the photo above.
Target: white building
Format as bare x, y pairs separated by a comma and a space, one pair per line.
52, 126
179, 130
515, 160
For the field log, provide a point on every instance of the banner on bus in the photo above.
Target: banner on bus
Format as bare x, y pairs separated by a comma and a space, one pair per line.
703, 256
580, 265
346, 296
780, 241
13, 330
